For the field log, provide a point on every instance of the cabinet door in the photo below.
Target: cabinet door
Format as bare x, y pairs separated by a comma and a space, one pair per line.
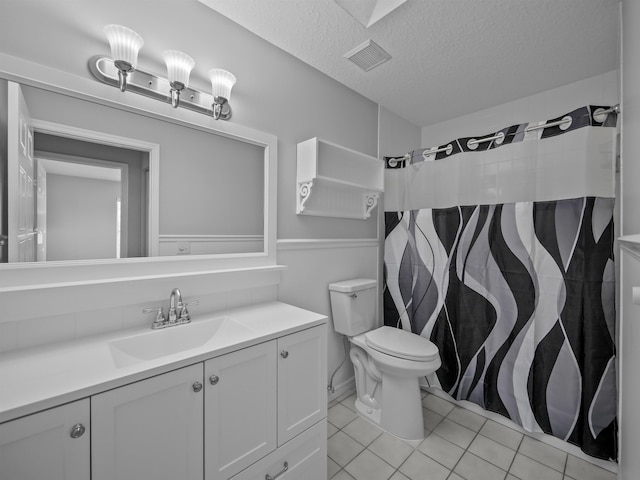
302, 379
240, 409
303, 458
150, 430
41, 446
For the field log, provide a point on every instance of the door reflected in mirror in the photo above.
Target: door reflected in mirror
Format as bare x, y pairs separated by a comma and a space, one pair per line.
89, 208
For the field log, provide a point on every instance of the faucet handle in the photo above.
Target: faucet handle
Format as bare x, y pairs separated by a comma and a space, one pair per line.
185, 317
160, 321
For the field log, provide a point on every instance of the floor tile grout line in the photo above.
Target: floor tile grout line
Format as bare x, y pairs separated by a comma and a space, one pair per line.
429, 432
514, 458
370, 451
477, 434
465, 451
540, 462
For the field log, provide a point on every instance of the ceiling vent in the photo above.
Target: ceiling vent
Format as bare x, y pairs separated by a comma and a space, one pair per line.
368, 55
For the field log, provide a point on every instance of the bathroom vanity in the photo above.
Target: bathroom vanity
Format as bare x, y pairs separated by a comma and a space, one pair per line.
240, 394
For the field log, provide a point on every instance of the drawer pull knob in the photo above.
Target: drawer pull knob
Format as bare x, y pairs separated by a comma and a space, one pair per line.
285, 467
284, 354
77, 430
214, 379
197, 386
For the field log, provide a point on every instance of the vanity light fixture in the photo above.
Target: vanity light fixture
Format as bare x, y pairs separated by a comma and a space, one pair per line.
121, 70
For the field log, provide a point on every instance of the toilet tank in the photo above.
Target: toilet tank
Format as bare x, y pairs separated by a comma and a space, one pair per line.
353, 306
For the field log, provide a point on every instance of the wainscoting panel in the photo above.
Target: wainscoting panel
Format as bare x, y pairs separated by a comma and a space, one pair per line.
312, 264
209, 244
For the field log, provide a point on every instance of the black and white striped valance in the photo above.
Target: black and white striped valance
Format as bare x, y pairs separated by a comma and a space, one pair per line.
580, 118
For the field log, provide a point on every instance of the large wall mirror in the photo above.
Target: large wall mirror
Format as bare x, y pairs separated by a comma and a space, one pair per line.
83, 195
102, 183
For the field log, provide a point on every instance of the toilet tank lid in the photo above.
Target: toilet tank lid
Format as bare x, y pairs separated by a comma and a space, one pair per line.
354, 285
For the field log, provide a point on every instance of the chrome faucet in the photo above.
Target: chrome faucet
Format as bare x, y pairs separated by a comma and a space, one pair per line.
174, 306
177, 315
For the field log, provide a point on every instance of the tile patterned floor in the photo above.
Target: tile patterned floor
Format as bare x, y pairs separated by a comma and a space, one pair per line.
459, 445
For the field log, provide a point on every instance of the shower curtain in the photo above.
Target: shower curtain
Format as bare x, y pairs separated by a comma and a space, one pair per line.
501, 253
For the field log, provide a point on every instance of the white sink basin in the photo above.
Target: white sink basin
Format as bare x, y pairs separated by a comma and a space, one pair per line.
168, 341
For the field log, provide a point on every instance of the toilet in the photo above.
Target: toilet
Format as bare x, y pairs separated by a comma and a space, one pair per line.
388, 362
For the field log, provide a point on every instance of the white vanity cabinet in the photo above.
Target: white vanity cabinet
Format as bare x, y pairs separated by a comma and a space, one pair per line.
243, 412
150, 429
240, 406
49, 445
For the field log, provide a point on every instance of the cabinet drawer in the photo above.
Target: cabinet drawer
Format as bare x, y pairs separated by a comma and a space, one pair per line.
305, 457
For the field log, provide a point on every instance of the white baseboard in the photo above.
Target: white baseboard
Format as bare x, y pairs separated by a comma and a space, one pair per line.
341, 390
543, 437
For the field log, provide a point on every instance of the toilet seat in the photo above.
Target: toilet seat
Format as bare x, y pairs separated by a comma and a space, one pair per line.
401, 344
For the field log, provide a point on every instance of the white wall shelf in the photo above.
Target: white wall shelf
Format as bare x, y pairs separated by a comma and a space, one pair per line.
334, 181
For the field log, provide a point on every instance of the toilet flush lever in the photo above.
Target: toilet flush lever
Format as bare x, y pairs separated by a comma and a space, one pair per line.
353, 296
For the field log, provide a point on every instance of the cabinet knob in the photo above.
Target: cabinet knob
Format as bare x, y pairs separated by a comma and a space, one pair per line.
77, 430
284, 354
197, 386
285, 467
214, 379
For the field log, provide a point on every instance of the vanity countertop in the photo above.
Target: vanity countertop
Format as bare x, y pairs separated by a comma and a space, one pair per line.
38, 378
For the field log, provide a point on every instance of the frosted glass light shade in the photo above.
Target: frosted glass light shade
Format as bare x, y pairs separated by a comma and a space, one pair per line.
125, 44
179, 66
221, 83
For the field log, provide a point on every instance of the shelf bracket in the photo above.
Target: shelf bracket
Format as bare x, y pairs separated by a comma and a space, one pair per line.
370, 202
304, 192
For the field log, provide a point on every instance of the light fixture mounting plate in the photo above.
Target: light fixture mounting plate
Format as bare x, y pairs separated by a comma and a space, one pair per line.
150, 85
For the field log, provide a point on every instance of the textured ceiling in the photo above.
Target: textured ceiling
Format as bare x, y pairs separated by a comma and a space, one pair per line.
449, 57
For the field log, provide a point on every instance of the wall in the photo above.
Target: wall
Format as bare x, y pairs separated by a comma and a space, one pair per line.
630, 117
396, 136
275, 93
599, 90
81, 218
630, 193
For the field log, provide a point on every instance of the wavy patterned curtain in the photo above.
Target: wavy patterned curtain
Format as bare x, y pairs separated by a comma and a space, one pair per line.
502, 255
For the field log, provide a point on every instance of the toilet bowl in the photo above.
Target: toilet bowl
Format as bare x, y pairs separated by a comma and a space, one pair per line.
388, 362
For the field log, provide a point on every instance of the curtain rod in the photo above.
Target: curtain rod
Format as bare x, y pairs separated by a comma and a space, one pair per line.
599, 116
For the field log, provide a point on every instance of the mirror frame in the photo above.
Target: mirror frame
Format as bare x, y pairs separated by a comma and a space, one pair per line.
37, 275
